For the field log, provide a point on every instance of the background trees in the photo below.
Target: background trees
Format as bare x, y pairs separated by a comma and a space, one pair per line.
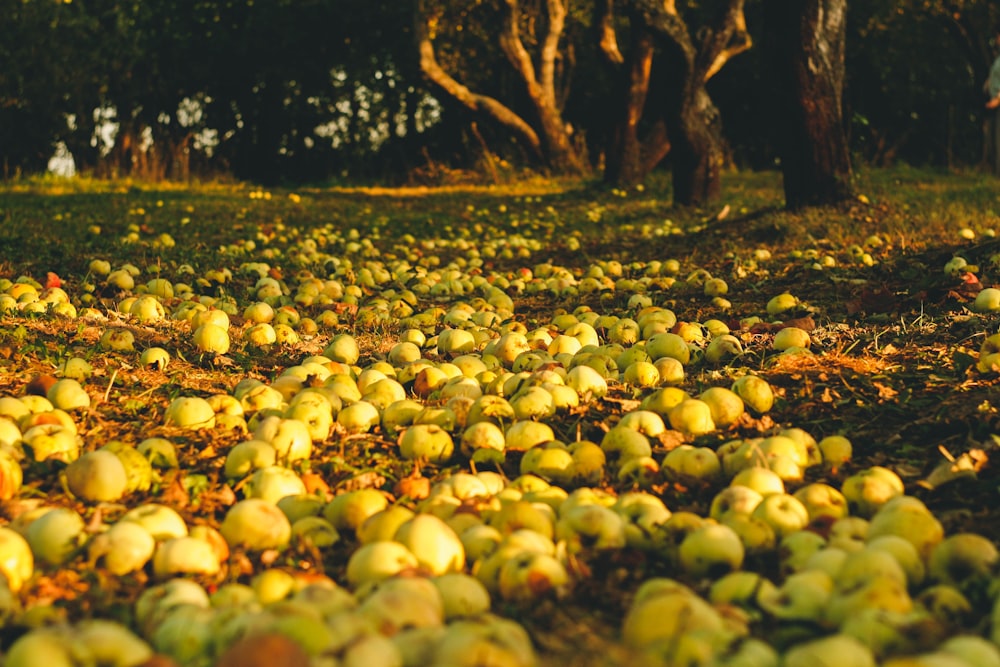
316, 89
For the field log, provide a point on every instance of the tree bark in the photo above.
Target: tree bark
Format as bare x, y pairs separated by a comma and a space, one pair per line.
548, 138
688, 116
624, 164
806, 48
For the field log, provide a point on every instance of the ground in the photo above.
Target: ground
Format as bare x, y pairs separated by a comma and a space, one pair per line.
892, 365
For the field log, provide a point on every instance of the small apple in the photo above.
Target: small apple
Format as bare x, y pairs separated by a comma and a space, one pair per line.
256, 524
692, 417
711, 550
833, 651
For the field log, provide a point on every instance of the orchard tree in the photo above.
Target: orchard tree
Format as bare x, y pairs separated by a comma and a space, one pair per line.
682, 118
540, 128
805, 40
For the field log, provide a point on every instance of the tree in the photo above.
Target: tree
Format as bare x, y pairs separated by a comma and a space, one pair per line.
543, 132
805, 39
683, 119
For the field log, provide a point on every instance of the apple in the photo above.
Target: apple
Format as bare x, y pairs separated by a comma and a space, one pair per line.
740, 588
77, 368
668, 345
426, 441
626, 443
833, 651
486, 639
117, 339
462, 595
102, 642
247, 456
796, 548
211, 338
762, 480
527, 575
67, 394
257, 525
836, 450
781, 303
190, 412
272, 483
791, 338
97, 476
523, 435
862, 567
822, 501
17, 562
881, 593
726, 406
184, 555
41, 646
870, 489
515, 515
55, 536
359, 417
155, 357
667, 615
290, 437
587, 382
972, 649
125, 547
711, 550
802, 597
435, 545
723, 348
591, 527
965, 560
688, 462
908, 518
692, 417
734, 499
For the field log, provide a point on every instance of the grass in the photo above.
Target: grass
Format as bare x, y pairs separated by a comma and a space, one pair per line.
893, 364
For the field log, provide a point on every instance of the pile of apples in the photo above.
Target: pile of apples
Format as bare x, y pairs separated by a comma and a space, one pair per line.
801, 559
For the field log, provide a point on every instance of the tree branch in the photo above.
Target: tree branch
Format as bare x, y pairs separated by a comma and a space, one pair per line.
550, 48
483, 104
726, 40
511, 44
607, 38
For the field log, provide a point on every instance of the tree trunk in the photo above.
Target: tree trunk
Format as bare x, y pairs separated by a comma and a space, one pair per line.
690, 120
548, 137
624, 165
806, 48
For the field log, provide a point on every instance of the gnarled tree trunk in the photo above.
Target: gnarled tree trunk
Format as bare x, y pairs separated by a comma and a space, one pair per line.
686, 123
546, 136
806, 48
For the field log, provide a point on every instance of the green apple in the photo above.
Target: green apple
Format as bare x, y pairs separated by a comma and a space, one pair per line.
67, 394
190, 412
910, 519
55, 536
434, 544
591, 527
692, 417
97, 476
822, 501
734, 499
711, 550
965, 560
256, 524
688, 462
184, 555
526, 576
723, 348
834, 651
17, 562
668, 345
870, 489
